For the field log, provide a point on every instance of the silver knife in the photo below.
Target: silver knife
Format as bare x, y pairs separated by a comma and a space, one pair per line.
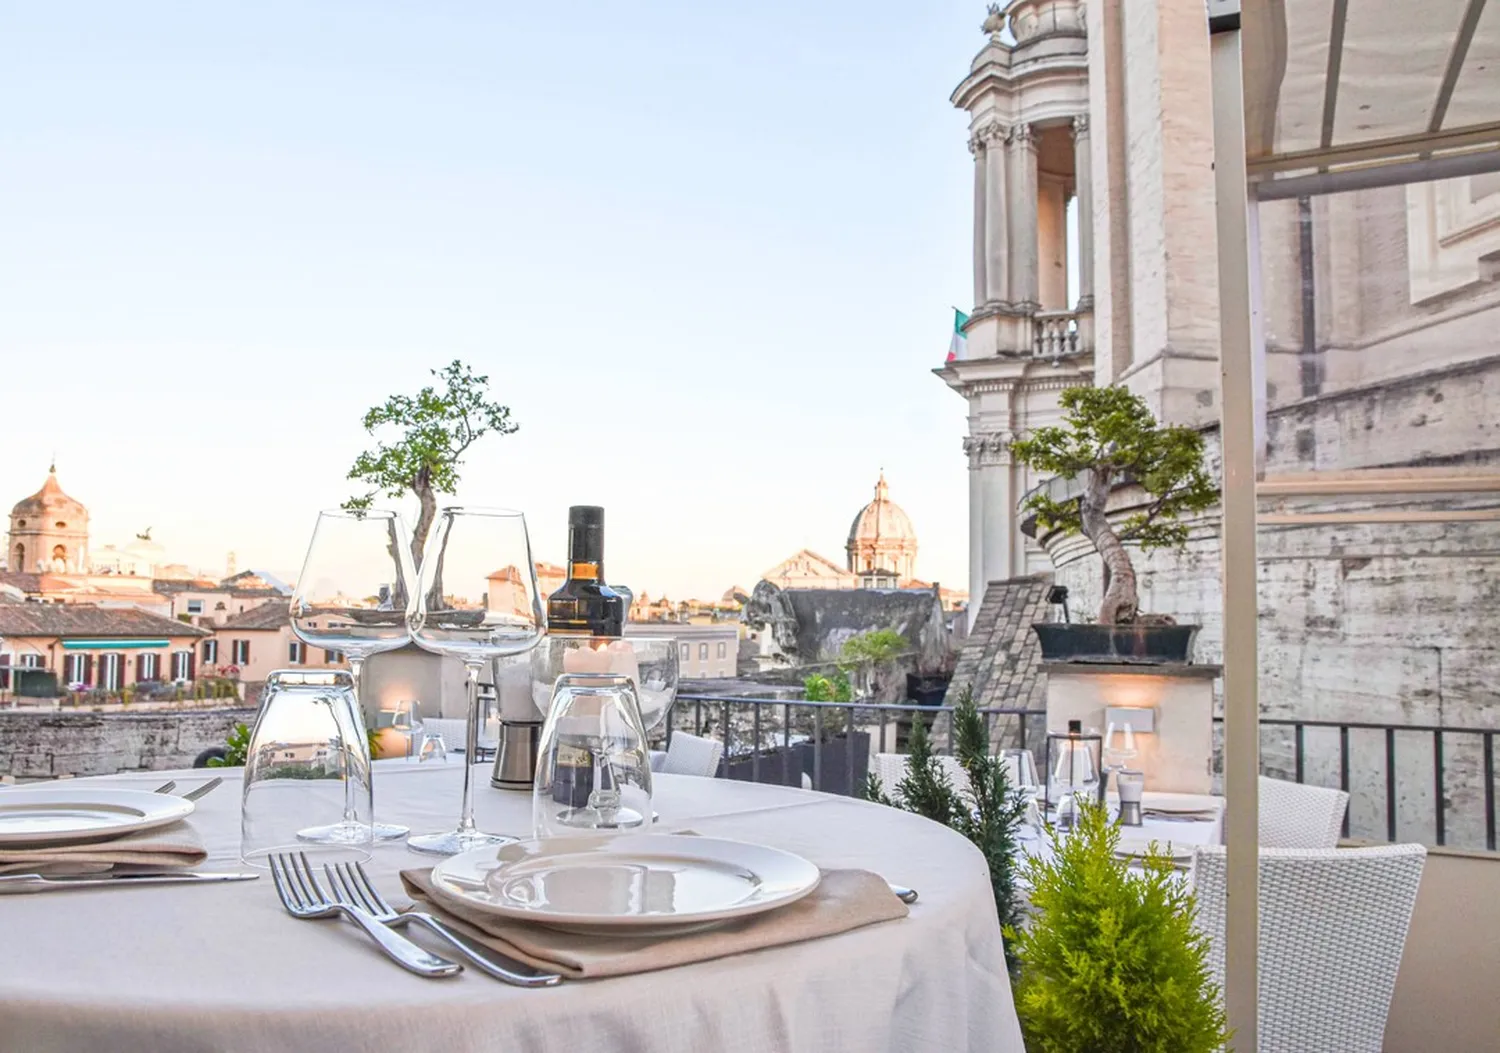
39, 883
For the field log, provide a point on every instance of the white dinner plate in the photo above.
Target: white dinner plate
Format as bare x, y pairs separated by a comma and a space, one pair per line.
634, 884
56, 815
1136, 848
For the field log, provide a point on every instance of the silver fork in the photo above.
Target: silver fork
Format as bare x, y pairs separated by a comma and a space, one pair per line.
352, 885
201, 791
303, 897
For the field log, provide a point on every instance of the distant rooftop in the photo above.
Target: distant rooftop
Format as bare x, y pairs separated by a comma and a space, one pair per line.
85, 619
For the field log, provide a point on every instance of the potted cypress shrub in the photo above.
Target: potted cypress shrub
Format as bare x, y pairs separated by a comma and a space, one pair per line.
1112, 960
1108, 437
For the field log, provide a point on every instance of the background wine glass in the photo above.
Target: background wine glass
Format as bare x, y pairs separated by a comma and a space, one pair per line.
352, 597
467, 609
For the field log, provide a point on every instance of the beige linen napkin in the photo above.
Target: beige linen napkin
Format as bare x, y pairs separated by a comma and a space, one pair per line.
172, 846
843, 900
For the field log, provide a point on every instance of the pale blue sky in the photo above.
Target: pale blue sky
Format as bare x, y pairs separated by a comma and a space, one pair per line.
706, 253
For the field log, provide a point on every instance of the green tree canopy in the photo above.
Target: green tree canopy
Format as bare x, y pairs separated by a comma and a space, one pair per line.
431, 431
1108, 436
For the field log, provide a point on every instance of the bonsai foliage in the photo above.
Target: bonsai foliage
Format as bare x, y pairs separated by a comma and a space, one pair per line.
1112, 960
987, 813
1108, 436
436, 428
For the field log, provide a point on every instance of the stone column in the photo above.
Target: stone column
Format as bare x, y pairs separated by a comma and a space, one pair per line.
976, 147
973, 447
1022, 194
1000, 268
1083, 189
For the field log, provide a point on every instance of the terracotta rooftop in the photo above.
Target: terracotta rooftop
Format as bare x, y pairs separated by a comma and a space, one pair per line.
84, 619
265, 616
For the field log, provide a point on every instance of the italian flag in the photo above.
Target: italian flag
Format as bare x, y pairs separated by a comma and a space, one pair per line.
958, 347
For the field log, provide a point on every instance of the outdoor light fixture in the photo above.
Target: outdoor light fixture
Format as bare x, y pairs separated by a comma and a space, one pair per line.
1058, 595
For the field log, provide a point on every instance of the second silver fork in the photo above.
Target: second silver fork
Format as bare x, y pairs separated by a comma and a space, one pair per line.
353, 886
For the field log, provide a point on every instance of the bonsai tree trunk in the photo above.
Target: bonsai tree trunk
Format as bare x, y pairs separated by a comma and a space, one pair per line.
1120, 598
422, 484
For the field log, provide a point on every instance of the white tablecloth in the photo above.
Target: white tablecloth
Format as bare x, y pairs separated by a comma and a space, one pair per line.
222, 967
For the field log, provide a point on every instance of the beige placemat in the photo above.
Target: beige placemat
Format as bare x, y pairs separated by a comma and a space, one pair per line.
843, 900
170, 846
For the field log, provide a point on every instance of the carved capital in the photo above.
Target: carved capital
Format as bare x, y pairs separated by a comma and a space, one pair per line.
994, 133
1022, 137
1080, 127
976, 144
987, 448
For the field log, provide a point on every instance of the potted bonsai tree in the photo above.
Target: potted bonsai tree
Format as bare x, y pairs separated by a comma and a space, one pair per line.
1109, 437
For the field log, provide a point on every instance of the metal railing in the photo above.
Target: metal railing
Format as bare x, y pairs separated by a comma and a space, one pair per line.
818, 739
1390, 734
802, 737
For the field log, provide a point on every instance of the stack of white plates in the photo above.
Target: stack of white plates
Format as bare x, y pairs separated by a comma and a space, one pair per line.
57, 815
632, 885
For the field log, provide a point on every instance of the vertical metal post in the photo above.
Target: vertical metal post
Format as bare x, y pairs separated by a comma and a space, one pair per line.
1238, 431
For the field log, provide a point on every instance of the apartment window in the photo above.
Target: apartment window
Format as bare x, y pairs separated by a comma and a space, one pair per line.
687, 652
703, 652
332, 657
30, 661
296, 652
182, 665
195, 606
5, 660
240, 649
148, 667
75, 668
210, 652
109, 672
723, 649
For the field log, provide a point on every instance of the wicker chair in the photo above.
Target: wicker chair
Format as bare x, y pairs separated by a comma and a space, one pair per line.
891, 768
1332, 928
692, 755
1294, 815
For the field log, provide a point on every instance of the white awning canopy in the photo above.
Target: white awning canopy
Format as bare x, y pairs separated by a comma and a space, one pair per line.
1344, 94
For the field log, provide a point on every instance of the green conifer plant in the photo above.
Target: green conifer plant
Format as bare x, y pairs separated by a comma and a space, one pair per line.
1111, 960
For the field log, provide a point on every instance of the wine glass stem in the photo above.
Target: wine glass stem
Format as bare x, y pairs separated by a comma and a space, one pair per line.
471, 748
357, 724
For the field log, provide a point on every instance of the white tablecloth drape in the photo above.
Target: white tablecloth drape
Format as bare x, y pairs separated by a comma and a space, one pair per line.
222, 967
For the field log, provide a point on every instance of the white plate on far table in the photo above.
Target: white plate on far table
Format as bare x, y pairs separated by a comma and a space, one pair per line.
56, 815
1137, 847
631, 885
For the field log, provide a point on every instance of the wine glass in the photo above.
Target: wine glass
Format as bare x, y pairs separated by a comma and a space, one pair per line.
299, 767
467, 546
351, 597
594, 770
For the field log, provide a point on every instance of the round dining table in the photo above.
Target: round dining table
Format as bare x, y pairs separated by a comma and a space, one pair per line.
196, 968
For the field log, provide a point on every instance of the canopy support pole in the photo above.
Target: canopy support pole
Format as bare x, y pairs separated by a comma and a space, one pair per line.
1238, 432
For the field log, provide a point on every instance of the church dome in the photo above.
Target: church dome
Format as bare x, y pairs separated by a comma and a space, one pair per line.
881, 520
881, 537
48, 502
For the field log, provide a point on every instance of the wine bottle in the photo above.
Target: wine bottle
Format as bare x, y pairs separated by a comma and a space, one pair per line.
584, 605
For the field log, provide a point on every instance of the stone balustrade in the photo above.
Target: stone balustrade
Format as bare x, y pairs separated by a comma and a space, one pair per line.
1060, 334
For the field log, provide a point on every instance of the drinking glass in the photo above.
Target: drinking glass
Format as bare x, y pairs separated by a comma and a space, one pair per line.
1020, 765
594, 769
467, 545
351, 597
305, 765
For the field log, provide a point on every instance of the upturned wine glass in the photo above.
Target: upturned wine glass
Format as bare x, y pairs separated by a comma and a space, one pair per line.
467, 609
351, 597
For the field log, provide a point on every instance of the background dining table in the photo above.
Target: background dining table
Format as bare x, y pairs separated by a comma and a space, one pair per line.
175, 969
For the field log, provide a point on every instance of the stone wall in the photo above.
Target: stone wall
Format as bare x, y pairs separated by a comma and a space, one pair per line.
45, 745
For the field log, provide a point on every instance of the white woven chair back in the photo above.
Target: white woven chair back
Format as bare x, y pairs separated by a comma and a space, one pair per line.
1332, 929
1294, 815
692, 755
891, 768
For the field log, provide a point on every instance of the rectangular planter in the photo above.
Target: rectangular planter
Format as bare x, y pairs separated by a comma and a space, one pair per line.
782, 766
836, 775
